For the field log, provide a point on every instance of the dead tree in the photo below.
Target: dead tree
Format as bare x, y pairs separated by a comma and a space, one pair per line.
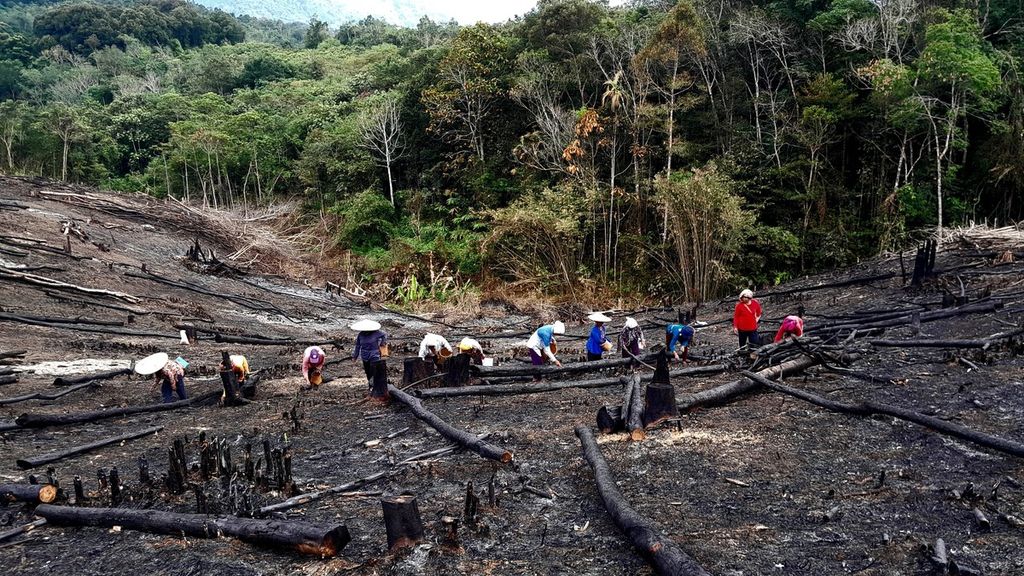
33, 462
662, 552
465, 439
294, 535
402, 521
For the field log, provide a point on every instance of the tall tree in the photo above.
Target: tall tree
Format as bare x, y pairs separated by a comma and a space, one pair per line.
381, 128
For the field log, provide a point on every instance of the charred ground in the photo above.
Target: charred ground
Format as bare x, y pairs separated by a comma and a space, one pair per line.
764, 484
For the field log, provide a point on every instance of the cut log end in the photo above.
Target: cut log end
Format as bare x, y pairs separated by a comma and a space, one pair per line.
637, 435
506, 457
47, 493
332, 543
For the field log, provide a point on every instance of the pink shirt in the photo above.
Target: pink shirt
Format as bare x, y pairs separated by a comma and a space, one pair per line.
307, 364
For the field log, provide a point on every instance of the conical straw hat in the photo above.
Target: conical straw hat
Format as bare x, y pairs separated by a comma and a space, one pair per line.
151, 364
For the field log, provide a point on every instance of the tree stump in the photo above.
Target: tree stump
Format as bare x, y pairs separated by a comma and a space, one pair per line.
609, 419
402, 521
416, 369
458, 370
229, 381
660, 404
450, 527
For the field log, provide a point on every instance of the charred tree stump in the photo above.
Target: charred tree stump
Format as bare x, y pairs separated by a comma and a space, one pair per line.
609, 419
660, 404
32, 493
33, 462
450, 531
402, 521
465, 439
416, 369
115, 487
458, 370
229, 382
666, 557
144, 478
297, 536
472, 504
79, 490
202, 505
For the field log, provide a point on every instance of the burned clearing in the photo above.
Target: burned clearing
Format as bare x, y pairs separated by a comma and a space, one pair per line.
748, 480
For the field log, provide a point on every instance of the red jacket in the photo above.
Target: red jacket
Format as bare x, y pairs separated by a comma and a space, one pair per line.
790, 325
746, 315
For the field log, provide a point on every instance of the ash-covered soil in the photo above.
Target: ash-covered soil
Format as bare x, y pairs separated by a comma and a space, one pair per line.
765, 484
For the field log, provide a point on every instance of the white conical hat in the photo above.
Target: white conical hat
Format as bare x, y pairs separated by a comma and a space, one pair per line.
365, 326
151, 364
631, 323
558, 327
598, 317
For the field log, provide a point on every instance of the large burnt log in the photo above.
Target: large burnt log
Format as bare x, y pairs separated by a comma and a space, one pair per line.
293, 535
32, 493
42, 420
725, 392
461, 437
70, 380
663, 553
528, 370
634, 406
32, 462
538, 387
868, 408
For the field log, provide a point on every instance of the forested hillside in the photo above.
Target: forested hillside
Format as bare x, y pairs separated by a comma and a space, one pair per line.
661, 148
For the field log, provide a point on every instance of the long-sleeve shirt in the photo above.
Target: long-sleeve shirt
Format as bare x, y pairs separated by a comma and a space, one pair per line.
367, 345
171, 372
790, 325
540, 341
435, 341
307, 364
681, 335
597, 338
746, 315
632, 339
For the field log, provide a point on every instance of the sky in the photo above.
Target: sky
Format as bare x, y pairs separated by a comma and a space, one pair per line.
473, 11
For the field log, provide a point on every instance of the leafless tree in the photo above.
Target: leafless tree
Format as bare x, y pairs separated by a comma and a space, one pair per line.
381, 129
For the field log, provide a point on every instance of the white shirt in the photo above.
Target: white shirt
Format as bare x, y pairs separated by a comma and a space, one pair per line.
435, 341
534, 344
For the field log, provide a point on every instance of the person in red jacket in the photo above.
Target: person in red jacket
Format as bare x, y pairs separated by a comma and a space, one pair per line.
745, 318
791, 326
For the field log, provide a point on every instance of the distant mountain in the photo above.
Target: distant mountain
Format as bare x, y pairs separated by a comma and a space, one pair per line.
334, 12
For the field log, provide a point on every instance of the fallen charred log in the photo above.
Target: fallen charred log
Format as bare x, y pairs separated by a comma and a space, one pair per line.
8, 379
722, 393
293, 535
881, 342
663, 553
254, 304
527, 370
33, 493
835, 284
23, 529
533, 388
91, 329
67, 381
42, 396
868, 408
634, 407
42, 420
465, 439
33, 462
979, 308
13, 354
43, 281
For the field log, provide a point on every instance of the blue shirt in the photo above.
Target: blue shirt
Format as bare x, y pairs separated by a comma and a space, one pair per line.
597, 338
367, 346
545, 334
681, 335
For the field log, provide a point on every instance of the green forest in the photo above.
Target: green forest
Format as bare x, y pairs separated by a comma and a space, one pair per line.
656, 149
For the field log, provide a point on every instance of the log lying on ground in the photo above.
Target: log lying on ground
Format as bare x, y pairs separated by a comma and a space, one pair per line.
69, 380
43, 396
91, 329
33, 493
663, 553
13, 354
51, 283
293, 535
8, 534
979, 308
885, 343
835, 284
722, 393
466, 439
868, 408
33, 462
8, 379
533, 388
530, 370
42, 420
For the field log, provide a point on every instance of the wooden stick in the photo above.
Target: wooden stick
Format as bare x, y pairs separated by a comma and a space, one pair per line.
8, 534
33, 462
663, 553
42, 396
68, 380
